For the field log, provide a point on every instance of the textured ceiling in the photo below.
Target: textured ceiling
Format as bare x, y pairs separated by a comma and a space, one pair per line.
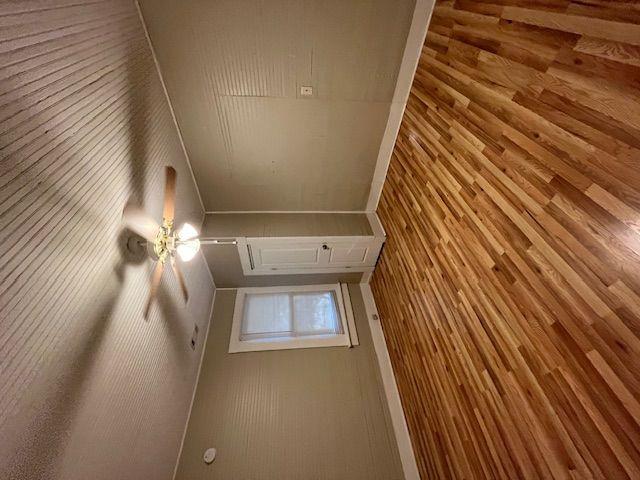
234, 70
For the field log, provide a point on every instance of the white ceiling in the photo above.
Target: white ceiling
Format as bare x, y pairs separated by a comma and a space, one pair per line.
234, 69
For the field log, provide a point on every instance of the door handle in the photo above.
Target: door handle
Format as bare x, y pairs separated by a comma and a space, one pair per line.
324, 247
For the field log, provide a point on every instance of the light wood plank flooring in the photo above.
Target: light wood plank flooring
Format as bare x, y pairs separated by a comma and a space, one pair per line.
509, 288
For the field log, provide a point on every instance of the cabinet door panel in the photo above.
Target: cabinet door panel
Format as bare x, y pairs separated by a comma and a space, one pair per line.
282, 257
352, 254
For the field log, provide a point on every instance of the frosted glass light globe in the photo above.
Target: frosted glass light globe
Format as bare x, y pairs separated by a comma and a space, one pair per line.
187, 232
188, 249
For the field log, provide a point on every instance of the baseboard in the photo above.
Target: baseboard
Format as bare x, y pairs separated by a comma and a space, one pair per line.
411, 56
195, 386
407, 457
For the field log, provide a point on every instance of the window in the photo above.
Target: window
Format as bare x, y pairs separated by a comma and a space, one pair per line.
275, 318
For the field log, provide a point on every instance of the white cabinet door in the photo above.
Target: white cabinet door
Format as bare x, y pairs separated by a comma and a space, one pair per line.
262, 256
274, 255
351, 254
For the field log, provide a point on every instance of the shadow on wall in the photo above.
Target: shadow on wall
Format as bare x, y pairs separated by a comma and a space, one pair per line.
138, 103
59, 234
171, 319
42, 441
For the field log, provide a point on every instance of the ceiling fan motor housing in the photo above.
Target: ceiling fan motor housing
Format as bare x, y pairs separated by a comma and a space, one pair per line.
164, 244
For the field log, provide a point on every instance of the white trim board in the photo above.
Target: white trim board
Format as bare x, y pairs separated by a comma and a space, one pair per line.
348, 309
412, 50
376, 225
407, 456
173, 114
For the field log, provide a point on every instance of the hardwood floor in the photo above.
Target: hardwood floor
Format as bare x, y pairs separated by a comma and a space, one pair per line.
509, 288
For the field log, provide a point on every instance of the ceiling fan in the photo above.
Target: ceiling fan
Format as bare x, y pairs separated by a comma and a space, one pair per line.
163, 242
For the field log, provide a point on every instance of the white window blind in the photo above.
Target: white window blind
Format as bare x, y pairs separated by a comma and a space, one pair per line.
288, 317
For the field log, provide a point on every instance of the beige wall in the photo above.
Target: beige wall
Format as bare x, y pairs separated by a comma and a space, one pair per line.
312, 414
234, 71
285, 224
224, 260
89, 390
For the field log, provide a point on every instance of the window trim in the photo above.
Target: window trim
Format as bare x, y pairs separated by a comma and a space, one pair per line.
335, 340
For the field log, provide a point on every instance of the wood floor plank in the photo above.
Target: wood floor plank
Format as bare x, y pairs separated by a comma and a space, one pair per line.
509, 287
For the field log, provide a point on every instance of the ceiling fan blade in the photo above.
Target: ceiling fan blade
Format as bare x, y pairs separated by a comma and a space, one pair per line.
169, 208
139, 221
180, 277
155, 283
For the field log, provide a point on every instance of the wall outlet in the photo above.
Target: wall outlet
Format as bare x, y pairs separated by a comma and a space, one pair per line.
306, 91
194, 337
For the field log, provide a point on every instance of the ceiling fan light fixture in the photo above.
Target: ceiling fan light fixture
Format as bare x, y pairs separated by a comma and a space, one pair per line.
187, 232
187, 249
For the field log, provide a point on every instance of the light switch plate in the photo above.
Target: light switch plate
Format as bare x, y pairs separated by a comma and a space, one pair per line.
306, 91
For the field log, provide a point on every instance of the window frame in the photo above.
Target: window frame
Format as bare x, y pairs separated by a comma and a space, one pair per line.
334, 340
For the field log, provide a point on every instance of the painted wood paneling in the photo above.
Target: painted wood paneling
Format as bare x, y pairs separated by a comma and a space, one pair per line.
509, 287
314, 413
285, 224
234, 71
88, 388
